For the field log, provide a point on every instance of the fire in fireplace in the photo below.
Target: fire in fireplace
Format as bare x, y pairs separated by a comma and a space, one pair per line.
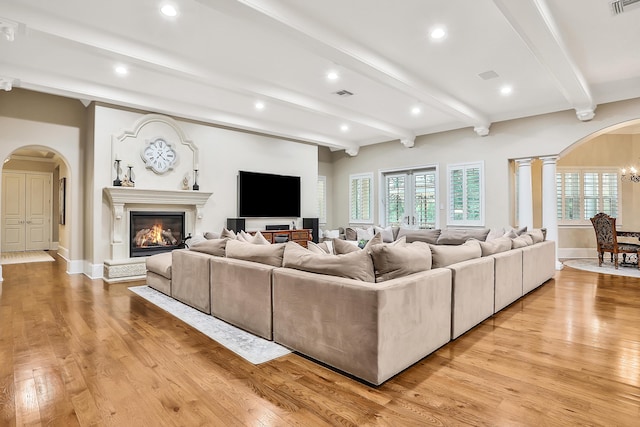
155, 232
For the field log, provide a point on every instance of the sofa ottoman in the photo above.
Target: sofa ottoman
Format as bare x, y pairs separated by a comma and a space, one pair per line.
159, 272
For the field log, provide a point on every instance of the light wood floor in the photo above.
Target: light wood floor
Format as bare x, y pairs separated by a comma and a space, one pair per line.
76, 352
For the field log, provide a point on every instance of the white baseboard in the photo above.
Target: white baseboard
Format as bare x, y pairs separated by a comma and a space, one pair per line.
63, 252
74, 266
53, 246
93, 271
564, 253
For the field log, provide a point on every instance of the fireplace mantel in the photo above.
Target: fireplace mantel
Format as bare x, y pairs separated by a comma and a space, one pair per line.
119, 196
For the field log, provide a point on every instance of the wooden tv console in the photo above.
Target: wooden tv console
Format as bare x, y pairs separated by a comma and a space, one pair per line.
299, 236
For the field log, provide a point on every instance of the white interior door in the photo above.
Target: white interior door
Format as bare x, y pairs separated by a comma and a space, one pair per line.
26, 211
13, 212
37, 212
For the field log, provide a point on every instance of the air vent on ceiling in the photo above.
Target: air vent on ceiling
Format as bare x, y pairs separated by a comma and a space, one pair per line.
488, 75
618, 6
343, 92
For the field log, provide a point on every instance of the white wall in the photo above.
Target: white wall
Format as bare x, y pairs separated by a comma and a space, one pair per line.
222, 153
549, 134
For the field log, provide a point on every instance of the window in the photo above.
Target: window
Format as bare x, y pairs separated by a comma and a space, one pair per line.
410, 198
582, 193
361, 198
465, 182
322, 199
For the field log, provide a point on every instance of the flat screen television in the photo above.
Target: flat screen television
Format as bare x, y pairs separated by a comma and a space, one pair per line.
268, 195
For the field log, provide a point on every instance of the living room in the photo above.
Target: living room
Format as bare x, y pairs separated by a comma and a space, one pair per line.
82, 349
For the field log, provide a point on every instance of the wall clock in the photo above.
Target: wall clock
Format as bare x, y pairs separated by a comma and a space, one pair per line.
159, 156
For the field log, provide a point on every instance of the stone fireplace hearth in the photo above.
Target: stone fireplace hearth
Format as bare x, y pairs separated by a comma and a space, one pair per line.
125, 200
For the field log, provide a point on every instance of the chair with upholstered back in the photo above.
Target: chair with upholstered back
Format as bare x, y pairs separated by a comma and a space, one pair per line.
607, 240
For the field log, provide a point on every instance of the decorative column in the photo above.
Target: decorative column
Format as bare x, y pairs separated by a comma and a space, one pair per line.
525, 194
549, 201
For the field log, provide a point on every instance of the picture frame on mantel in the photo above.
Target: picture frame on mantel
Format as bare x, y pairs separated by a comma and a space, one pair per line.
62, 198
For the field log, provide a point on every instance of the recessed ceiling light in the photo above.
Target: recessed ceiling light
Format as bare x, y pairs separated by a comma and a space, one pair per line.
122, 70
169, 10
332, 75
344, 128
438, 33
416, 110
506, 90
259, 105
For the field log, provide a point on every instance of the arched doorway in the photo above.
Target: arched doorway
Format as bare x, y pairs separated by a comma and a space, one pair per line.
35, 201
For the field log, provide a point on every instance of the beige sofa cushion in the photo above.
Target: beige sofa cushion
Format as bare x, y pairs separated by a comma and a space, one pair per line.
445, 255
454, 236
342, 247
354, 265
399, 260
160, 264
521, 241
319, 248
211, 235
256, 239
227, 234
215, 247
264, 254
494, 246
536, 235
427, 235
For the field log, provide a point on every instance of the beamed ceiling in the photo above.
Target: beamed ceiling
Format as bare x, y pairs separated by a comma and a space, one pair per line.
216, 59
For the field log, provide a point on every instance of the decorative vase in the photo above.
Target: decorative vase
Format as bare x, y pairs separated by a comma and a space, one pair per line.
196, 187
117, 182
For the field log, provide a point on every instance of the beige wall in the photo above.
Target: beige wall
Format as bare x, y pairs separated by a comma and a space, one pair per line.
610, 150
29, 119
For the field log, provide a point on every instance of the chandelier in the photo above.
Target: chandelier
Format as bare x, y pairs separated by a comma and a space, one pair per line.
632, 176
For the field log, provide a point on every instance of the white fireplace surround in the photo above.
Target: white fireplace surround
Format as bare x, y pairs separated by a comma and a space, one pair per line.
123, 200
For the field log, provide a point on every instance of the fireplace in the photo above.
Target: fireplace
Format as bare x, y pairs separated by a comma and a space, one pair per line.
155, 232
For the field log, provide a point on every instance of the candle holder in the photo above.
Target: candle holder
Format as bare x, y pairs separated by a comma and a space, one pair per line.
196, 187
117, 182
131, 175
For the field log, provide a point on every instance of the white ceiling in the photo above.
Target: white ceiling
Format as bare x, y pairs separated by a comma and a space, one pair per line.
216, 58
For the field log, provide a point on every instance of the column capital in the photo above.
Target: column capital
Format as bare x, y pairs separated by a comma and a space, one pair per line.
547, 160
524, 162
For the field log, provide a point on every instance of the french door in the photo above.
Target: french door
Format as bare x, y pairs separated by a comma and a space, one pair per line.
410, 198
26, 211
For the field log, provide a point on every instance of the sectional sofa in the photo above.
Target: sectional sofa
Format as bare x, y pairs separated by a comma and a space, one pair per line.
369, 312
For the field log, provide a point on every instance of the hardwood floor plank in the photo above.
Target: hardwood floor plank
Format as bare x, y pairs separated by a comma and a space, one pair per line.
75, 351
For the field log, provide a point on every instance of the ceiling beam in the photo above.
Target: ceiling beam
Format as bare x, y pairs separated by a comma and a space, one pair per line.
351, 55
535, 25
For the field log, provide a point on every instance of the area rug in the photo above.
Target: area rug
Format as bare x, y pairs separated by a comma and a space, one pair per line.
246, 345
591, 264
23, 257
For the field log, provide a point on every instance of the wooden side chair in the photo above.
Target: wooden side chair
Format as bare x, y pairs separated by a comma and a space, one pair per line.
607, 239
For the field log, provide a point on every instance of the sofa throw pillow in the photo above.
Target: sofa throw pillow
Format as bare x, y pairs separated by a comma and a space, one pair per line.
536, 235
211, 235
521, 241
494, 246
386, 233
364, 233
444, 255
355, 265
227, 234
400, 259
421, 235
510, 234
341, 247
318, 248
215, 247
454, 236
494, 233
256, 239
263, 254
